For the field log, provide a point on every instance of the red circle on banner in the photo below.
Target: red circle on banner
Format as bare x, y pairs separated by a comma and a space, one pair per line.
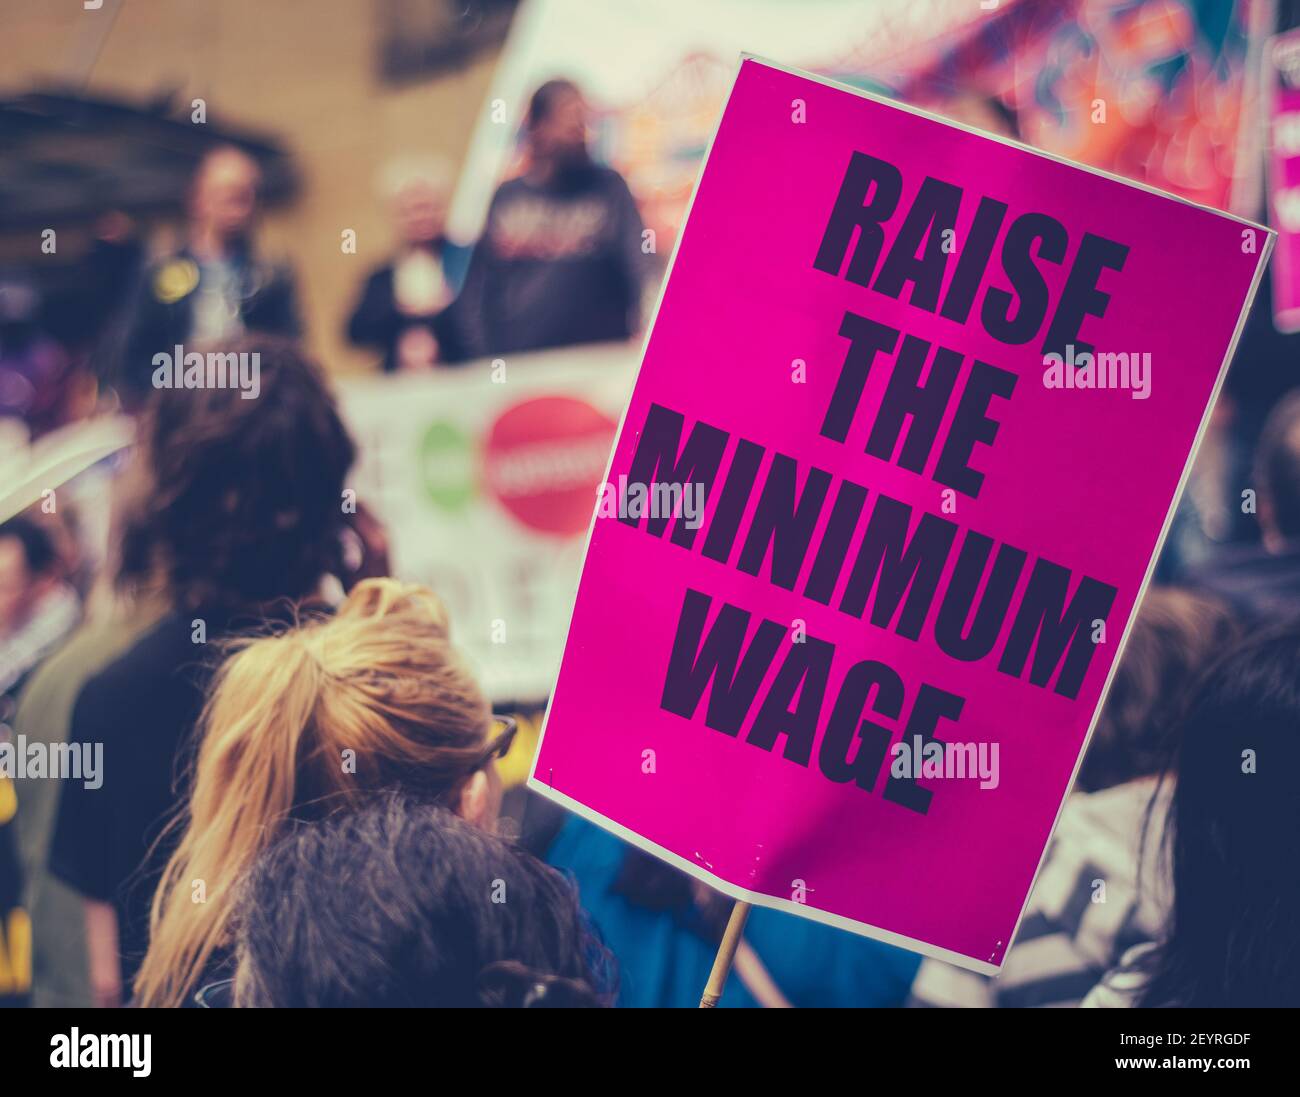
543, 459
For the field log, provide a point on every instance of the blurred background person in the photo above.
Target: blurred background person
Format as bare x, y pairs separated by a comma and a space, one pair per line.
1232, 937
217, 286
560, 261
435, 913
240, 516
128, 599
1100, 889
304, 725
37, 375
1262, 580
402, 312
38, 608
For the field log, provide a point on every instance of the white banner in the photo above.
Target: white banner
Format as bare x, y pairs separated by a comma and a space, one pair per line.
486, 480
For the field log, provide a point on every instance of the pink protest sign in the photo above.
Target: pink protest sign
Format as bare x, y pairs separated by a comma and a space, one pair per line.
1284, 176
911, 420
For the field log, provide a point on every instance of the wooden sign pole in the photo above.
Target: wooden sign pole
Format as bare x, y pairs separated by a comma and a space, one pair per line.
726, 955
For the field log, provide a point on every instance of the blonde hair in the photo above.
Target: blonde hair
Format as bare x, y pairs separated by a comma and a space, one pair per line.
300, 725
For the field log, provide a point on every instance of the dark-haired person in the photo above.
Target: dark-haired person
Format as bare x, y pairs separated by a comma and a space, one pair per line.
400, 904
1263, 581
1232, 938
1099, 890
216, 287
241, 514
560, 261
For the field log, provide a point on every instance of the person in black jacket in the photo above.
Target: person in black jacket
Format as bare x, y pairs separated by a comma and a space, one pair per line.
402, 312
240, 522
216, 287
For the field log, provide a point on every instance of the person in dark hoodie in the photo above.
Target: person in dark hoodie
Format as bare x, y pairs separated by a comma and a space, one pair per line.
239, 521
560, 261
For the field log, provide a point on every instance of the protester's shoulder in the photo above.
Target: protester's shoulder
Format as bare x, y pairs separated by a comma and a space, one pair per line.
511, 188
1118, 809
156, 656
55, 684
1099, 833
592, 854
610, 177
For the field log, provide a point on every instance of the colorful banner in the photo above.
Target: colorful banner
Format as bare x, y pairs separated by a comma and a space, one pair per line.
658, 78
1284, 176
907, 435
484, 478
1148, 89
1153, 90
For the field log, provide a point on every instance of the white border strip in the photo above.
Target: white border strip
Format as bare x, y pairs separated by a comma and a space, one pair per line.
864, 929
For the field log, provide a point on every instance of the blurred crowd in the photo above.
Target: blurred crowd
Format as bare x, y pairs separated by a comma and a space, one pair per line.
297, 799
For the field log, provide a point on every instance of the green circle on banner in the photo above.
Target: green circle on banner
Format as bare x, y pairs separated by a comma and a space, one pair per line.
447, 465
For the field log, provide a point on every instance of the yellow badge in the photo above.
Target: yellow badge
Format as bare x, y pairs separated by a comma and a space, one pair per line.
175, 279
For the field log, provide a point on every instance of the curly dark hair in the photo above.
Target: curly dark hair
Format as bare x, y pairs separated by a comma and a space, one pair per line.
1233, 837
403, 904
246, 501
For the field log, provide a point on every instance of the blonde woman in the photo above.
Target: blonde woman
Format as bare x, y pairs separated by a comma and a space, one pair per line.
304, 725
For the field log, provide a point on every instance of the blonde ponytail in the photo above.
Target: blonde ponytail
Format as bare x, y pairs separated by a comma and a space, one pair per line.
300, 725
